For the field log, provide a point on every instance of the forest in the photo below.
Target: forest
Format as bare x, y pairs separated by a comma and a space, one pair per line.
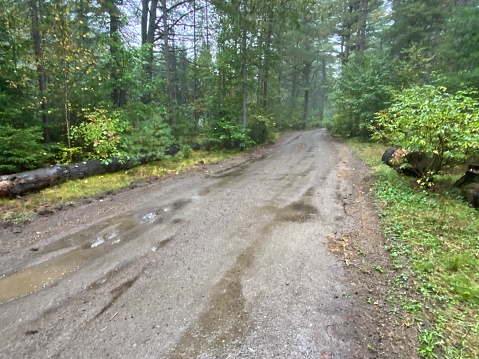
124, 78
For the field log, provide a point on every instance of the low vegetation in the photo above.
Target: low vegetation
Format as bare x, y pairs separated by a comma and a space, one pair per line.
442, 128
432, 237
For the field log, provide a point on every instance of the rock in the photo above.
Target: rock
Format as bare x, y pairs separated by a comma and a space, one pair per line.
471, 192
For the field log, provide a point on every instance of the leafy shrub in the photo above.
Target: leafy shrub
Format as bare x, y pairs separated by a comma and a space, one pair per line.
443, 127
101, 134
228, 134
262, 127
21, 149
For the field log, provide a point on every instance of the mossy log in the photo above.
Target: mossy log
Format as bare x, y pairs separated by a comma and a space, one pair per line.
20, 183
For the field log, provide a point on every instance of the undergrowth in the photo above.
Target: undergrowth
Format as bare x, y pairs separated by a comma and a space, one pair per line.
21, 209
433, 239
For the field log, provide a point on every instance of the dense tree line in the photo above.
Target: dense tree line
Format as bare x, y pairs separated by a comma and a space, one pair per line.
126, 78
406, 44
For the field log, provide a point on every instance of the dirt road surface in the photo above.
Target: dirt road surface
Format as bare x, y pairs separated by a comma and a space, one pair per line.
249, 258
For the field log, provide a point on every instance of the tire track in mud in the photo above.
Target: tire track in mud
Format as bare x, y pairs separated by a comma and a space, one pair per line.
226, 320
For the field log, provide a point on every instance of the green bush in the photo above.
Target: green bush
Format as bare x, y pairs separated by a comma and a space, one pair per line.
149, 133
21, 149
101, 134
441, 126
226, 134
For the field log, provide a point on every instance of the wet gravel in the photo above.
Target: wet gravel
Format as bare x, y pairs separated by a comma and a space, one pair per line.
234, 260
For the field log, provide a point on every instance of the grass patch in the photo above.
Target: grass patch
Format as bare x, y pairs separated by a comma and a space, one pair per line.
433, 239
23, 209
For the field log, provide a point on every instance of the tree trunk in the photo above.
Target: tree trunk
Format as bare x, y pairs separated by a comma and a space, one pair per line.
306, 75
166, 51
294, 89
118, 94
144, 20
322, 89
245, 77
363, 18
269, 36
148, 27
195, 72
42, 84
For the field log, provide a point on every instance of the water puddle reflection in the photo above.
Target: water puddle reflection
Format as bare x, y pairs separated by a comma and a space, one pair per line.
67, 255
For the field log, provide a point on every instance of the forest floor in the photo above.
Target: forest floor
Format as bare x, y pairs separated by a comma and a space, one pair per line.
278, 253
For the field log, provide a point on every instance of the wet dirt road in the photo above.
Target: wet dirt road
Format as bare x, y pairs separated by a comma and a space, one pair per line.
227, 262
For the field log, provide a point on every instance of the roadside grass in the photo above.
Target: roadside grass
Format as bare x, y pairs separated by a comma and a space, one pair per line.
433, 239
21, 209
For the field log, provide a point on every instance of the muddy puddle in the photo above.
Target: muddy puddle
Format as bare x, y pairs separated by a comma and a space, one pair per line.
67, 255
296, 212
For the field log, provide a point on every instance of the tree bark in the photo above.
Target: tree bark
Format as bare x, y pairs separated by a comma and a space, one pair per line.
195, 71
306, 76
363, 18
42, 84
269, 36
166, 51
244, 64
148, 27
118, 94
20, 183
322, 89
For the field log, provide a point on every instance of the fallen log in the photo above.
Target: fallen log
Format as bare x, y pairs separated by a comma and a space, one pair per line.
32, 180
20, 183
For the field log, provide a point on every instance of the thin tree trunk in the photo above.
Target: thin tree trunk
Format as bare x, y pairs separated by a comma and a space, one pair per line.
259, 92
144, 20
67, 106
148, 26
269, 36
207, 26
294, 89
195, 72
306, 75
174, 73
118, 94
363, 16
42, 84
322, 89
166, 51
245, 77
305, 108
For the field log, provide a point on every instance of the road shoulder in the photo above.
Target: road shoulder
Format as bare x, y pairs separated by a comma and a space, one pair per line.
380, 332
